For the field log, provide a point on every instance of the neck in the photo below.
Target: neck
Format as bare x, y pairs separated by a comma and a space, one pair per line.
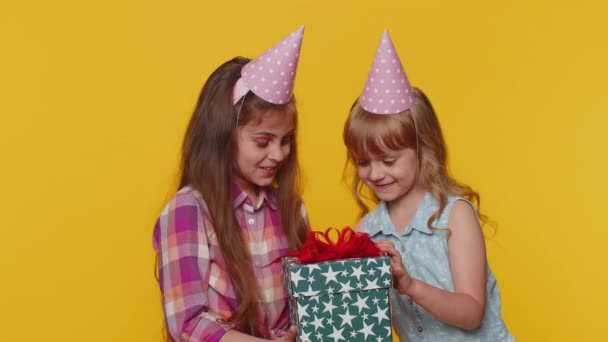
401, 210
250, 189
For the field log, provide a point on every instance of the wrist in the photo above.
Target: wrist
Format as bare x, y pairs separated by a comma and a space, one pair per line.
407, 287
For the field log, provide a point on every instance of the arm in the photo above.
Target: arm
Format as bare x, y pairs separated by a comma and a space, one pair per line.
183, 260
465, 306
235, 336
183, 251
304, 214
359, 226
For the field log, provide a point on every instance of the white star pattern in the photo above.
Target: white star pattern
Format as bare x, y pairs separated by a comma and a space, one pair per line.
372, 284
329, 307
317, 322
381, 314
324, 309
337, 335
347, 319
302, 311
367, 330
345, 287
313, 267
330, 275
310, 292
357, 272
304, 337
361, 303
296, 277
385, 269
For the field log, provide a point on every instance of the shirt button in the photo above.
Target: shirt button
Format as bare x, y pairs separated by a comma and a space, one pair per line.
420, 329
251, 221
410, 301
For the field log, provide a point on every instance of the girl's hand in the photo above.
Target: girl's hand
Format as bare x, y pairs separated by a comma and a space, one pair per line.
401, 279
287, 336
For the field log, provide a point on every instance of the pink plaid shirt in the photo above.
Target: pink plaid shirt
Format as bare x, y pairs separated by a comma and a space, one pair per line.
196, 289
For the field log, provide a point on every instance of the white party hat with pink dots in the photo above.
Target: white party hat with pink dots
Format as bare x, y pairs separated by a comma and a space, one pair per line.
271, 75
387, 90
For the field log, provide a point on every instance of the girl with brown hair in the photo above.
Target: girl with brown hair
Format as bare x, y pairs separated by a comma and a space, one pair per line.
238, 206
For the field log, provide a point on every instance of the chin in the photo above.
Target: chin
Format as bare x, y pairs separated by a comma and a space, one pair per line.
388, 197
264, 182
385, 198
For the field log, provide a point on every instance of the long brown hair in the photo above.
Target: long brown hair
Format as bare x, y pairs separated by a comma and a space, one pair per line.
207, 165
367, 134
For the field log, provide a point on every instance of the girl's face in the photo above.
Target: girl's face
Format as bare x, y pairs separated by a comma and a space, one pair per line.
262, 147
390, 176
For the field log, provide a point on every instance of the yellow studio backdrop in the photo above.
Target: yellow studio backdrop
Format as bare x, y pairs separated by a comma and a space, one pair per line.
95, 96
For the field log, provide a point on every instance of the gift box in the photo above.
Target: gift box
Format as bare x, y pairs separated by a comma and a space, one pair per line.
340, 300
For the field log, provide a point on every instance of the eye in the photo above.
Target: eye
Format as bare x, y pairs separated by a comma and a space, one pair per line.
389, 162
362, 162
262, 142
287, 140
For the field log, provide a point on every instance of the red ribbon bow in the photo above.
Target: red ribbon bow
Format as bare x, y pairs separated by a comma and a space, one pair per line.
319, 246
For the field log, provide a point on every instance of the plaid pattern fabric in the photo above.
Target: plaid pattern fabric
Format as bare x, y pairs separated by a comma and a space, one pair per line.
196, 289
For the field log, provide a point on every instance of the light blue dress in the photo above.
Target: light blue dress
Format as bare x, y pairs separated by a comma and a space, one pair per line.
425, 255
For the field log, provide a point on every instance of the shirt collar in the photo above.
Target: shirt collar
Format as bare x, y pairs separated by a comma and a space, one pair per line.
418, 221
241, 199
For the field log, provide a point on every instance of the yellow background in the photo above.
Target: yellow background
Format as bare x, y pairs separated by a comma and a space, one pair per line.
95, 96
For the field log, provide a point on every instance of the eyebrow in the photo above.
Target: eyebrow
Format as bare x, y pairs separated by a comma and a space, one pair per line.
268, 134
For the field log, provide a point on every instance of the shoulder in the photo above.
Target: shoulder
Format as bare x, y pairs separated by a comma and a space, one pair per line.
185, 197
455, 205
463, 219
183, 215
374, 221
463, 210
185, 210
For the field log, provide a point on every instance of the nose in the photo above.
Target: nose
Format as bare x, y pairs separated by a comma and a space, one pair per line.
278, 152
375, 173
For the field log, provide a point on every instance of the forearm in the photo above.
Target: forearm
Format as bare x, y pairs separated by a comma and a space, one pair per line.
235, 336
458, 309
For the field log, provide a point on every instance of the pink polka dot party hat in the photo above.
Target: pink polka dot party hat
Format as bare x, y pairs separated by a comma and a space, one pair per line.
387, 90
271, 76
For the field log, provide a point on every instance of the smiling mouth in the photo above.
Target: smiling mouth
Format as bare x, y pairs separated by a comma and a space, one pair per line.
269, 170
382, 186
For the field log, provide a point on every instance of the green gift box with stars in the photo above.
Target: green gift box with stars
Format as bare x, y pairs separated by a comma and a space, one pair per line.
340, 300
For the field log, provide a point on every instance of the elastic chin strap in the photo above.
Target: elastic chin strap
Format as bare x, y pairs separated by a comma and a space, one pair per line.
417, 142
239, 90
238, 112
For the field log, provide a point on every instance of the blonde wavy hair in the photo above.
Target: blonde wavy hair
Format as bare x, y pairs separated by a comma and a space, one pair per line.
370, 135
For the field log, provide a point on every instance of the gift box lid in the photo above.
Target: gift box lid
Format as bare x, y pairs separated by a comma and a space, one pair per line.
337, 276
